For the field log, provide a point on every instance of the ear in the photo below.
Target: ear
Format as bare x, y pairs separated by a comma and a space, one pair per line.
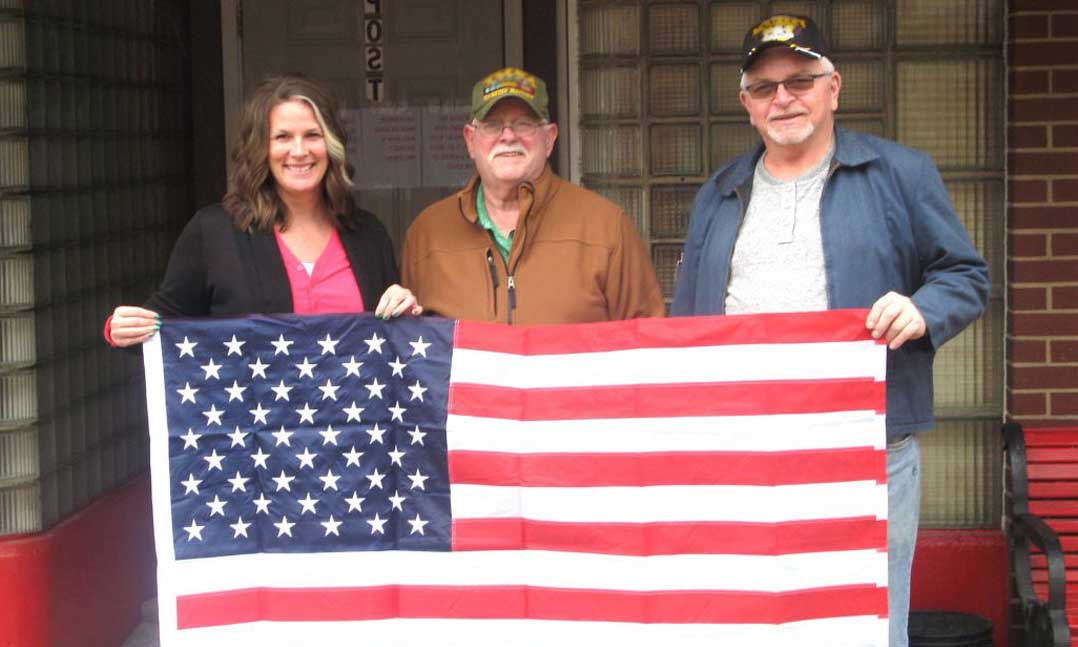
835, 87
551, 137
469, 139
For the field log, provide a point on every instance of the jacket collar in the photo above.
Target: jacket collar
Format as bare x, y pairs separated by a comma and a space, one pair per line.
531, 194
850, 150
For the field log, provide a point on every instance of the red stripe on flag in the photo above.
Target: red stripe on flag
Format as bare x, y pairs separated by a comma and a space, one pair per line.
523, 602
667, 468
668, 400
642, 539
795, 328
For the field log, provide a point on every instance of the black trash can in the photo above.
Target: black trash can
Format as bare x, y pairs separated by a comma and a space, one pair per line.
949, 629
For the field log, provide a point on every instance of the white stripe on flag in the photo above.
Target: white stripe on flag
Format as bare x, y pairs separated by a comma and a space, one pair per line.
729, 572
730, 433
734, 363
851, 631
673, 502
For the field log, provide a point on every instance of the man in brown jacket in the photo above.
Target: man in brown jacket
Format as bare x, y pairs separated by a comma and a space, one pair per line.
518, 244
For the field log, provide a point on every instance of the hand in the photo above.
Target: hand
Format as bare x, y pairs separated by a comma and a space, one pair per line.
397, 301
133, 325
896, 319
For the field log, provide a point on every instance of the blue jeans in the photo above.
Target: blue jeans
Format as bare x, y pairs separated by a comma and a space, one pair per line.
903, 508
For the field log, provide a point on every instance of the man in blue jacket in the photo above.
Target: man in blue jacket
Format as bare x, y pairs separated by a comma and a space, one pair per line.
819, 217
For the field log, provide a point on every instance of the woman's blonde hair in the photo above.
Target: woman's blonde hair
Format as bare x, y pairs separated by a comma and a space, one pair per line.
252, 199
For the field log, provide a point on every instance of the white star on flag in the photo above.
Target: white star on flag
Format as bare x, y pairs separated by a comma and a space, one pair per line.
284, 482
418, 480
306, 459
398, 367
351, 367
187, 393
397, 501
307, 504
261, 504
329, 346
191, 484
213, 416
375, 389
234, 346
306, 414
376, 434
375, 478
240, 528
417, 435
281, 391
217, 506
374, 344
398, 411
353, 412
259, 414
237, 438
194, 531
331, 526
329, 481
190, 439
258, 369
235, 392
187, 347
239, 483
355, 502
282, 437
419, 347
329, 435
213, 461
260, 458
417, 390
281, 345
377, 524
329, 390
284, 527
417, 525
352, 456
306, 368
212, 370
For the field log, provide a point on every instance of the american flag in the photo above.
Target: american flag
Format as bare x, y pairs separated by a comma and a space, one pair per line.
343, 480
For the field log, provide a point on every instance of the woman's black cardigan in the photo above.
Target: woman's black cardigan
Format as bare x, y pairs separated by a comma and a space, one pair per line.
218, 270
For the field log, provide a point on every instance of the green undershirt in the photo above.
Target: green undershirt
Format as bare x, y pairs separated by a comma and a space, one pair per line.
502, 241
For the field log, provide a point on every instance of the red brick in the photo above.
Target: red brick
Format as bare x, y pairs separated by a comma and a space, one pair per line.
1029, 26
1064, 404
1023, 271
1021, 163
1065, 190
1028, 404
1064, 25
1027, 351
1064, 135
1028, 137
1043, 109
1027, 191
1063, 350
1028, 245
1051, 324
1064, 81
1043, 217
1030, 82
1025, 299
1065, 297
1065, 245
1059, 52
1044, 377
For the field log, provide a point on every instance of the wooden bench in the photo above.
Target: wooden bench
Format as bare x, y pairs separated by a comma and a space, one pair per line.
1044, 532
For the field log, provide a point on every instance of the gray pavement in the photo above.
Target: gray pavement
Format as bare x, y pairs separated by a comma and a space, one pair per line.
146, 633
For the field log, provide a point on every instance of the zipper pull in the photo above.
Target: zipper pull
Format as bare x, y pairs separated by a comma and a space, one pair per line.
512, 293
493, 280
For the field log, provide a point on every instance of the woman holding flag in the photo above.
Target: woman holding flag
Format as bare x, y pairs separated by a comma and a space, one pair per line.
287, 236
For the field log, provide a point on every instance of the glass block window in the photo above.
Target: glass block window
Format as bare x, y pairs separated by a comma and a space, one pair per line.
660, 111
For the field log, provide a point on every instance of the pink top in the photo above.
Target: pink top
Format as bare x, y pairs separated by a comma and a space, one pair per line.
331, 287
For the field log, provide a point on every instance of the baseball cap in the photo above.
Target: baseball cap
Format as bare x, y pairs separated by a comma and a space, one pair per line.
799, 33
509, 83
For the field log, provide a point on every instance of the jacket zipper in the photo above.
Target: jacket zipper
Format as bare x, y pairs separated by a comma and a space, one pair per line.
493, 279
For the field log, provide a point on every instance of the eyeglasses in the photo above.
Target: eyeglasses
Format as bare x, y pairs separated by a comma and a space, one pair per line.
799, 84
522, 128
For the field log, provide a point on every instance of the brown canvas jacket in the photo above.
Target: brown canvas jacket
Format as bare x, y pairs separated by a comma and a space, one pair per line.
575, 258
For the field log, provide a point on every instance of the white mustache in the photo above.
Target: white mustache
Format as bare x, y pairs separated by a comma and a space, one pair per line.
511, 148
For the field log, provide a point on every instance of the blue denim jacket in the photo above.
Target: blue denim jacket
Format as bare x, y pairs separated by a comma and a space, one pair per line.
887, 224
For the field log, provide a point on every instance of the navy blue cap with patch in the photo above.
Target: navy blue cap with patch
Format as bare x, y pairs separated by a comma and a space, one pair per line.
799, 33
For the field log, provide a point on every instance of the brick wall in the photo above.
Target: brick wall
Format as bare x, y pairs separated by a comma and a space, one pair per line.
1042, 211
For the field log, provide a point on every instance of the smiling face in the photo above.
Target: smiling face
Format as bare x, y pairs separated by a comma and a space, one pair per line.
508, 159
787, 119
297, 150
